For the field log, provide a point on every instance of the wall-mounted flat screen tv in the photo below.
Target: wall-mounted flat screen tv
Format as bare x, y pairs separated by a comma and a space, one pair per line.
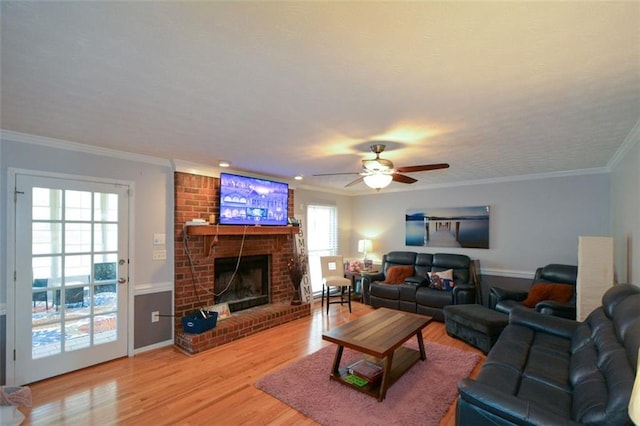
251, 201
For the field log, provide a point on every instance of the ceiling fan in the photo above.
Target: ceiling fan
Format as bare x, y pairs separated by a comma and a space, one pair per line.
378, 172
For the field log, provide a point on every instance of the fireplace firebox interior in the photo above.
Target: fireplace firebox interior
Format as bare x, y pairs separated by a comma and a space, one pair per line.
242, 282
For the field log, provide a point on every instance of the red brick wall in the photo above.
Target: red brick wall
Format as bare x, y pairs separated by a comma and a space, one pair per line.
197, 197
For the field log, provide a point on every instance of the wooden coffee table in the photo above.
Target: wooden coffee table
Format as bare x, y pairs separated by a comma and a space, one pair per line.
379, 334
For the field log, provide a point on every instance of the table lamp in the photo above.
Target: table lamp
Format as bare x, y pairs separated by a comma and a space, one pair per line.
364, 246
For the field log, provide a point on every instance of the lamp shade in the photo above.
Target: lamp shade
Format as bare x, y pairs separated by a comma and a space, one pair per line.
378, 180
634, 402
364, 246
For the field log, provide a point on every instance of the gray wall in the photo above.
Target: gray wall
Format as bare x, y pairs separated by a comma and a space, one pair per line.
533, 222
147, 333
625, 183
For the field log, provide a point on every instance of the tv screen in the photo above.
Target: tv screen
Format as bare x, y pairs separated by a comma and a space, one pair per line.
251, 201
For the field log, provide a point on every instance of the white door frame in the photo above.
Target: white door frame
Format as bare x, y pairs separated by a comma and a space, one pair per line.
11, 259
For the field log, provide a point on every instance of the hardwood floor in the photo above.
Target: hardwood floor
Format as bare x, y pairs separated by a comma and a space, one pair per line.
166, 386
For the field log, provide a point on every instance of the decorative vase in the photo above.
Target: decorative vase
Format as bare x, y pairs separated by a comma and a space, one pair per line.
296, 300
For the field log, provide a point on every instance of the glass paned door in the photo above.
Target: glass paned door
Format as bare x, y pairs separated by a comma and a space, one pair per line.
71, 275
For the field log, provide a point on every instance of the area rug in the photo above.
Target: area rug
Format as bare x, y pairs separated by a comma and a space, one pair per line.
421, 396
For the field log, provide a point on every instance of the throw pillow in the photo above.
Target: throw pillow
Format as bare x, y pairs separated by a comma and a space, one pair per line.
397, 274
442, 280
545, 291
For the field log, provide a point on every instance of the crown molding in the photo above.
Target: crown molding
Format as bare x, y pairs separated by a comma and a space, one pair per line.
504, 179
79, 147
632, 138
207, 170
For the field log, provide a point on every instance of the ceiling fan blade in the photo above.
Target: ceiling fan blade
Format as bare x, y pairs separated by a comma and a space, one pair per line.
422, 168
357, 181
402, 178
337, 174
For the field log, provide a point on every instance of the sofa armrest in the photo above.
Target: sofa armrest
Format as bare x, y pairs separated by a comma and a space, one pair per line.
507, 406
561, 327
367, 279
498, 294
464, 294
557, 309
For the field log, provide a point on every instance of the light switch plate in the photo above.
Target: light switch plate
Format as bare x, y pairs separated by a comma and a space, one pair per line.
159, 239
159, 255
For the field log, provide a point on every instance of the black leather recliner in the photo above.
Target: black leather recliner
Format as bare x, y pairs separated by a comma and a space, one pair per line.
504, 300
545, 370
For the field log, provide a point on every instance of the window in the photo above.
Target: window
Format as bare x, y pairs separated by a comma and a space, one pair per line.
322, 239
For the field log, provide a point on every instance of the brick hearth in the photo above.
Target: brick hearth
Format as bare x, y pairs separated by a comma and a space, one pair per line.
241, 324
197, 197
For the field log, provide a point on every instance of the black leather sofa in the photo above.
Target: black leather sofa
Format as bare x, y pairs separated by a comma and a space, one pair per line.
504, 300
415, 295
546, 370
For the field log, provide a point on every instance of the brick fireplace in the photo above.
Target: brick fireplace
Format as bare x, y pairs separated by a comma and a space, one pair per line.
197, 197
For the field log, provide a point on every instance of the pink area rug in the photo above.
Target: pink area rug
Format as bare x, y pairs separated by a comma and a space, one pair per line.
421, 396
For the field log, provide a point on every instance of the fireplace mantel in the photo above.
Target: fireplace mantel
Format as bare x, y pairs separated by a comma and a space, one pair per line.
211, 231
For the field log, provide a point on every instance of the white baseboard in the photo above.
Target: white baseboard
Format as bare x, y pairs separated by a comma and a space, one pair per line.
152, 347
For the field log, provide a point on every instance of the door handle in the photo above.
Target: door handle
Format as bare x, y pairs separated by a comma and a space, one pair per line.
122, 280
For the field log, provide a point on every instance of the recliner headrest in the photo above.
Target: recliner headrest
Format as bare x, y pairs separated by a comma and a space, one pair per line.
565, 274
401, 257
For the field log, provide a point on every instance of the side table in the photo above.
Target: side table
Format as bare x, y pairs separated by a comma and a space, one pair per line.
356, 282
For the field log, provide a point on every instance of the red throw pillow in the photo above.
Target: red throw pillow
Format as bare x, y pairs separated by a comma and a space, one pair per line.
397, 274
545, 291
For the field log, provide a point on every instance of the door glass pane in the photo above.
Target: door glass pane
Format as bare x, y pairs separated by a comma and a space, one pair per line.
46, 340
77, 237
77, 269
77, 205
105, 290
47, 267
47, 238
77, 334
47, 204
106, 207
105, 237
105, 328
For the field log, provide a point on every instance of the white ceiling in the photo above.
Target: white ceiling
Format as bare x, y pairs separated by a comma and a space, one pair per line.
495, 89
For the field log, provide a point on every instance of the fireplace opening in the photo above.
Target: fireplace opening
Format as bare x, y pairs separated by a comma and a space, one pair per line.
242, 285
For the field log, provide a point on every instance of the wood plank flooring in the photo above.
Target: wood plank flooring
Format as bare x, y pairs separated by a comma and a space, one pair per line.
167, 387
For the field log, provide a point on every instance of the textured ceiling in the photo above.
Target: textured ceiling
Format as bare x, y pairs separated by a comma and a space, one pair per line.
495, 89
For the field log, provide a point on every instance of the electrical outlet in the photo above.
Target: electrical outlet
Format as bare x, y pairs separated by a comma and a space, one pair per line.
155, 316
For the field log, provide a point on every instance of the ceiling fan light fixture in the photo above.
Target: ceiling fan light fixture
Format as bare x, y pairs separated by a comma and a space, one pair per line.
378, 180
377, 165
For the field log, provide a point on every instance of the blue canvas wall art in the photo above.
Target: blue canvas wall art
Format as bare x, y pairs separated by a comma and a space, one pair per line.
466, 227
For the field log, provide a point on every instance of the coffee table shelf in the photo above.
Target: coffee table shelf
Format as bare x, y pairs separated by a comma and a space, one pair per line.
403, 359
